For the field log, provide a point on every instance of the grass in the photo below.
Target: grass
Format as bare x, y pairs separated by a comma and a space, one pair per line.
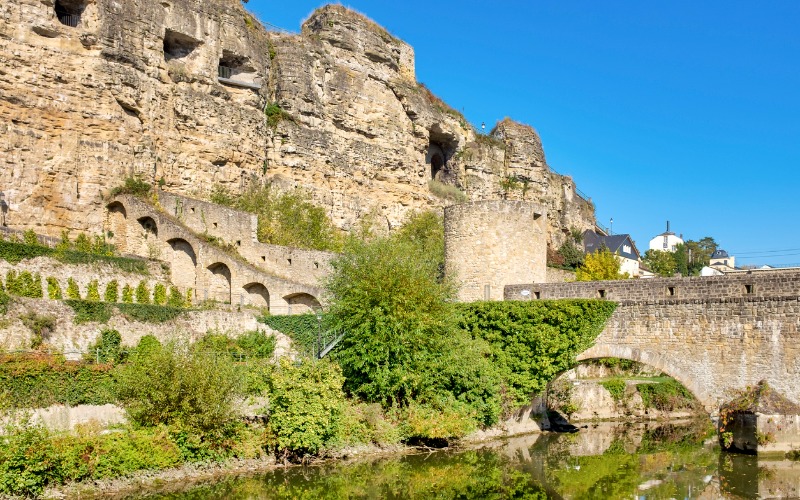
446, 192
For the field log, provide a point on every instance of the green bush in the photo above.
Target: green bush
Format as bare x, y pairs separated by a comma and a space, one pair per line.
175, 298
306, 406
666, 396
255, 344
40, 325
149, 313
11, 283
4, 301
142, 293
615, 387
134, 185
107, 348
53, 289
39, 381
93, 291
533, 341
175, 384
159, 294
87, 311
29, 237
303, 329
112, 292
15, 252
127, 294
73, 292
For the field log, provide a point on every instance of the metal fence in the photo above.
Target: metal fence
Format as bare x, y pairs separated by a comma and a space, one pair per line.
224, 72
71, 20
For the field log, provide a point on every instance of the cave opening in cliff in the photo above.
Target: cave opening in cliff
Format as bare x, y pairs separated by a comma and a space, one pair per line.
178, 46
437, 164
69, 12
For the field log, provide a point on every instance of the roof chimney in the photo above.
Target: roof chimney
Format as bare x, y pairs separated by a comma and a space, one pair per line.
667, 226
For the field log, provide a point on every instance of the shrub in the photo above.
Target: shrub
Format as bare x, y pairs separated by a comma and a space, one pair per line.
142, 293
87, 311
189, 293
149, 313
4, 301
83, 243
107, 348
93, 292
175, 384
255, 344
159, 294
73, 292
571, 254
53, 289
666, 396
127, 294
29, 237
134, 185
175, 298
112, 292
40, 325
306, 405
446, 192
616, 388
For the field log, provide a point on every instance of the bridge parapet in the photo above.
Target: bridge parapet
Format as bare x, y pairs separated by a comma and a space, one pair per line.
755, 285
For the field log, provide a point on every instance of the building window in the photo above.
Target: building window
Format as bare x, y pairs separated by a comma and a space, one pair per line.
601, 294
748, 289
69, 12
671, 291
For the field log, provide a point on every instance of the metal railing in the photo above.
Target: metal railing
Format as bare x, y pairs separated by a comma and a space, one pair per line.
71, 20
224, 72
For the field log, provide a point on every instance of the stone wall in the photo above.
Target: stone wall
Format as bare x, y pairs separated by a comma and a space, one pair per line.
74, 340
134, 88
491, 244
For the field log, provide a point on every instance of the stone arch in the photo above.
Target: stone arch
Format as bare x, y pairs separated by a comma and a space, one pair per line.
218, 282
658, 361
302, 303
148, 245
183, 263
257, 295
117, 226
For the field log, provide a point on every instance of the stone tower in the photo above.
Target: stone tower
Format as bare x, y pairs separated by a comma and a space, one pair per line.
491, 244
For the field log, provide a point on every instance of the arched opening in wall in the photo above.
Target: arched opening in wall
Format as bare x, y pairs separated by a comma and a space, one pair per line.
183, 263
302, 303
257, 295
117, 226
219, 282
179, 46
69, 12
436, 160
148, 238
617, 389
238, 71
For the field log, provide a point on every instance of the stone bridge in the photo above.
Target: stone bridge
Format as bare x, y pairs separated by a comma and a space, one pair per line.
213, 271
715, 335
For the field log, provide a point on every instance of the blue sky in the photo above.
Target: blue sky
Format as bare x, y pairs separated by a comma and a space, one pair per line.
683, 111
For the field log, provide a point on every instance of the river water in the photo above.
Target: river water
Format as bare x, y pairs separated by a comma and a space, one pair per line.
604, 461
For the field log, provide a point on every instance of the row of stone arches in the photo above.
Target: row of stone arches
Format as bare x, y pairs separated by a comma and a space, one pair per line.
210, 277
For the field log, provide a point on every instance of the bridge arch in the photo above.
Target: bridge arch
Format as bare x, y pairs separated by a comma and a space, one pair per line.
218, 280
302, 303
257, 295
658, 361
117, 226
183, 263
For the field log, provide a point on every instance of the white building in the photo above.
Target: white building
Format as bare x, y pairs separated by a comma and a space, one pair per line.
666, 241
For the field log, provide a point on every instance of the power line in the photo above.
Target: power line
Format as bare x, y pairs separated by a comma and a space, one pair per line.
768, 251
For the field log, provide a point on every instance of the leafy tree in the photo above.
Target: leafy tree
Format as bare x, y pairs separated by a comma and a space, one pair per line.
699, 254
127, 294
112, 291
159, 294
175, 298
142, 293
660, 262
573, 256
29, 237
600, 265
53, 289
401, 343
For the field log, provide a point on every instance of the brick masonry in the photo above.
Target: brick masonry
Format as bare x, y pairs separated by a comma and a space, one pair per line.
715, 334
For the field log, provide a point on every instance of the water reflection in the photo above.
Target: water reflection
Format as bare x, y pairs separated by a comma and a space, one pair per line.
608, 461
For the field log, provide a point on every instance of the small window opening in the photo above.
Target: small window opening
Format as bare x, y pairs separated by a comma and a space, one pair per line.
601, 294
671, 291
748, 289
191, 209
237, 71
178, 46
290, 261
263, 258
537, 295
316, 265
238, 243
69, 12
215, 225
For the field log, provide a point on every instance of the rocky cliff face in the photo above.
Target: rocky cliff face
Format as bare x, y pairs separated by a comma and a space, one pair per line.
92, 91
